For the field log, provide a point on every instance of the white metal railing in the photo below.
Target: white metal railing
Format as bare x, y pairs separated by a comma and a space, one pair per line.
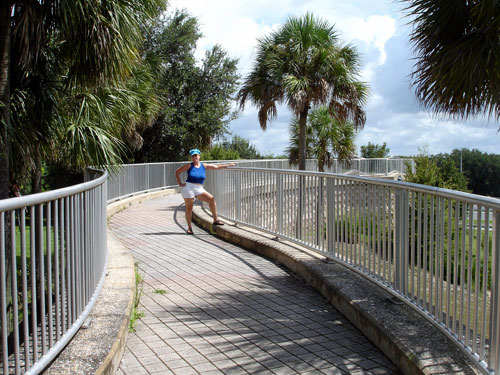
53, 259
59, 242
133, 179
436, 249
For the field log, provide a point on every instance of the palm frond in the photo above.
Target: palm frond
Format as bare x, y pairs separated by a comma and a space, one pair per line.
326, 138
457, 55
87, 144
102, 38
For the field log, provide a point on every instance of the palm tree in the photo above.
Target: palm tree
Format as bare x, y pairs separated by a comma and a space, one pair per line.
302, 64
95, 43
100, 125
5, 129
458, 53
326, 139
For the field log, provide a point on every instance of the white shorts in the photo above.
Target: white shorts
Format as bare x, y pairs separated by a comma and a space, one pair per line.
192, 190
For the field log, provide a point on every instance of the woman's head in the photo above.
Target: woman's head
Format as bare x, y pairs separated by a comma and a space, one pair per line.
194, 151
195, 154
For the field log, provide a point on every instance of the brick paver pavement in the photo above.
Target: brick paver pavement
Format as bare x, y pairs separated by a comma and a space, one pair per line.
213, 308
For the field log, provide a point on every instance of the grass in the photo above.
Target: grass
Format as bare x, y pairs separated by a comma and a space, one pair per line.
136, 314
160, 291
28, 241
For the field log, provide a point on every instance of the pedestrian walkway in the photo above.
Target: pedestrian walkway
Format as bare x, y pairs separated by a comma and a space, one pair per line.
213, 308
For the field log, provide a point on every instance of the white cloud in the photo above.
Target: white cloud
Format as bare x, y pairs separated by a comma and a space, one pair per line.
377, 30
237, 25
376, 101
374, 30
405, 133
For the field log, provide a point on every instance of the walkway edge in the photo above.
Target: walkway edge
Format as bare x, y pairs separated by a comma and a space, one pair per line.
113, 358
411, 342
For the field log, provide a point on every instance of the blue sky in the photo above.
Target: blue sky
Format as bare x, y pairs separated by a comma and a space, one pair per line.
380, 32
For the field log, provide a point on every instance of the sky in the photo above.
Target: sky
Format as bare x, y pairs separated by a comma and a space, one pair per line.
379, 30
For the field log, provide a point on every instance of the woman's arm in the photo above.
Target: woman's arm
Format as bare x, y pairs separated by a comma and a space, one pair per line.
218, 166
179, 170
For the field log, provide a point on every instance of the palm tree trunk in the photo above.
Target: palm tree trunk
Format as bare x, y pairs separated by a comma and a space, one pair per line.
302, 138
5, 36
5, 10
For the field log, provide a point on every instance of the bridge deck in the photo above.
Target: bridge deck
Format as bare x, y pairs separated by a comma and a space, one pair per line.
213, 308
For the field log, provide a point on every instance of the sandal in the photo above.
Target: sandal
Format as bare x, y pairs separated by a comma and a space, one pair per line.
218, 222
189, 231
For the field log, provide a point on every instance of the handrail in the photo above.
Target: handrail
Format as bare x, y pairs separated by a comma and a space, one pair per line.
59, 239
491, 202
131, 179
437, 250
33, 199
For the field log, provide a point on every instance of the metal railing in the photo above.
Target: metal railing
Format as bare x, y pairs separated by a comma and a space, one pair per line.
133, 179
53, 255
53, 260
436, 249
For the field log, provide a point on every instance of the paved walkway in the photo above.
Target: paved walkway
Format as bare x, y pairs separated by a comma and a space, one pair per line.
213, 308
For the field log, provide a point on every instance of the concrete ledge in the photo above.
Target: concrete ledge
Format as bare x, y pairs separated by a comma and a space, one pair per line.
98, 348
94, 347
409, 340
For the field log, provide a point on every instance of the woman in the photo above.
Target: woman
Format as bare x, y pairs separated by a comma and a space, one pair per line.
193, 187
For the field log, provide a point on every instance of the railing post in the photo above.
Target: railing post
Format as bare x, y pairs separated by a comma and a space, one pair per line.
330, 214
164, 174
301, 207
279, 202
495, 296
3, 296
319, 212
401, 234
237, 195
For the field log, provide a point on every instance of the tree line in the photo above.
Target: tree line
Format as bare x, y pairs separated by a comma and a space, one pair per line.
91, 90
91, 83
101, 83
463, 170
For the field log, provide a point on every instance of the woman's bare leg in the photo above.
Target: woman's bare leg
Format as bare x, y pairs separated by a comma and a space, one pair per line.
189, 211
209, 198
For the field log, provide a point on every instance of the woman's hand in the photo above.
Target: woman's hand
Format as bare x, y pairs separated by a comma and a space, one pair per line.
182, 184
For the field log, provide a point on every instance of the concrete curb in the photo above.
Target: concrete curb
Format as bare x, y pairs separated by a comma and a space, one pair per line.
409, 340
95, 348
112, 360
